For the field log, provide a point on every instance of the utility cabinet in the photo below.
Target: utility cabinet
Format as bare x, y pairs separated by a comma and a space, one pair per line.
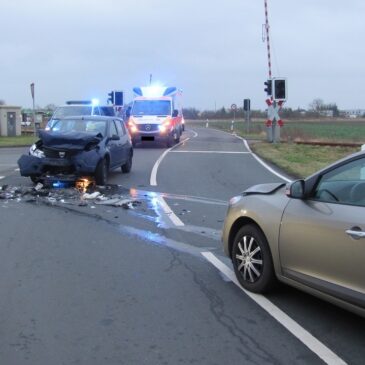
10, 121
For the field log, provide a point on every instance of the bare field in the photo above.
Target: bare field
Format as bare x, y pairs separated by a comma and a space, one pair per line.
331, 130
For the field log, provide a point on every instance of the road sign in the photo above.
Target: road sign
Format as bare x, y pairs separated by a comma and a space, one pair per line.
273, 112
234, 107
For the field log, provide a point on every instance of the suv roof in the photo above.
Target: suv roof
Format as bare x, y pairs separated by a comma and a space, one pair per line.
83, 109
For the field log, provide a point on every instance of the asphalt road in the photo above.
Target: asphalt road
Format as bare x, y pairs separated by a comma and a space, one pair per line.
98, 284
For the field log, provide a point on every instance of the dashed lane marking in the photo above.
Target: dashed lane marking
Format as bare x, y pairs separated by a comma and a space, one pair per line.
2, 177
328, 356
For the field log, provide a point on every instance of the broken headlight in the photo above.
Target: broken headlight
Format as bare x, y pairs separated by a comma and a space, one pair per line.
34, 151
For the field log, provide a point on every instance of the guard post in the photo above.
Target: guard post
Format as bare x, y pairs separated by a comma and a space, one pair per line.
233, 108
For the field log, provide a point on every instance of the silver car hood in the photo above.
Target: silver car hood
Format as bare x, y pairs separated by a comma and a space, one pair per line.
263, 188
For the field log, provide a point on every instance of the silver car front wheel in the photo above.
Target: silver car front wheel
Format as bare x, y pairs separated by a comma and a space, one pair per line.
252, 260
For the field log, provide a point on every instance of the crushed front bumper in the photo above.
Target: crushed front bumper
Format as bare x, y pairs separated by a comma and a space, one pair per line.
81, 164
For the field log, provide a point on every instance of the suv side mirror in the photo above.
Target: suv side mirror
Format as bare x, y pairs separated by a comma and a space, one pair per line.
295, 189
175, 113
114, 137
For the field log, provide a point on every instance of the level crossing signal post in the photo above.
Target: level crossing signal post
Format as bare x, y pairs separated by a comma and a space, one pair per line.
276, 90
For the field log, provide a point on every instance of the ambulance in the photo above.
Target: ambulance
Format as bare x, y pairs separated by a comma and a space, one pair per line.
156, 115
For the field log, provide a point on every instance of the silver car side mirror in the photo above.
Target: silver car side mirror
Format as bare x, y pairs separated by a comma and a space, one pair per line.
295, 189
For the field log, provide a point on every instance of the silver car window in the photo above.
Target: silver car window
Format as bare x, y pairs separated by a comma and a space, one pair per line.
344, 184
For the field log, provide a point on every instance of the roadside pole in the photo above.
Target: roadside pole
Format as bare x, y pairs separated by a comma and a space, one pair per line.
247, 109
32, 92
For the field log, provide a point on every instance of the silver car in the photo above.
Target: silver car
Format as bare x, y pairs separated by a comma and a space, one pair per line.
309, 234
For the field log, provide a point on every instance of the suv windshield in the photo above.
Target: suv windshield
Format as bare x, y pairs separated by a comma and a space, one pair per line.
107, 110
151, 107
79, 125
69, 111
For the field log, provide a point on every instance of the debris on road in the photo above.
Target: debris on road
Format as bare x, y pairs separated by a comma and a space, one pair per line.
38, 187
91, 197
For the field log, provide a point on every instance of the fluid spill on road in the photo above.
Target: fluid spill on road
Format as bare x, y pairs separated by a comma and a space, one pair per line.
142, 204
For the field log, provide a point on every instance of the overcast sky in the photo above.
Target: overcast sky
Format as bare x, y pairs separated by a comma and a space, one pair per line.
213, 50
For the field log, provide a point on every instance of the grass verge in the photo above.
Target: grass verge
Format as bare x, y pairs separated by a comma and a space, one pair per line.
300, 160
17, 141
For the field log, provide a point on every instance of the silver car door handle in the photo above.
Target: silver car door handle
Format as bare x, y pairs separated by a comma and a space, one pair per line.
355, 234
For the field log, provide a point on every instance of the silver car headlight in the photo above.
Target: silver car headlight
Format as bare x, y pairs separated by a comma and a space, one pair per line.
34, 151
235, 200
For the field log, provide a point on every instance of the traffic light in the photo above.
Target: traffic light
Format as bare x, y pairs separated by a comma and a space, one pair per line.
118, 98
268, 87
111, 97
246, 105
279, 89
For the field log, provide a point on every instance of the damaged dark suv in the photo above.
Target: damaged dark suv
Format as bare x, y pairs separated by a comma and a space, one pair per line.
79, 146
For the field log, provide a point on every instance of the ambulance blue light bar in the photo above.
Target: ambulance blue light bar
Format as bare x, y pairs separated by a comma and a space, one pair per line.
154, 90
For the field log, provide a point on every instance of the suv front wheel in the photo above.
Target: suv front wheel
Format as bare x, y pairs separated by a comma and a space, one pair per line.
101, 172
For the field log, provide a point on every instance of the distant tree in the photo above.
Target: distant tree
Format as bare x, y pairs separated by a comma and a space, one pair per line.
334, 109
221, 113
2, 102
316, 105
191, 113
50, 107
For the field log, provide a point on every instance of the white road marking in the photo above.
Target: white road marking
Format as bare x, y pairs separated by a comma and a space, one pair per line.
328, 356
173, 217
153, 177
2, 177
153, 182
18, 169
258, 158
221, 152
